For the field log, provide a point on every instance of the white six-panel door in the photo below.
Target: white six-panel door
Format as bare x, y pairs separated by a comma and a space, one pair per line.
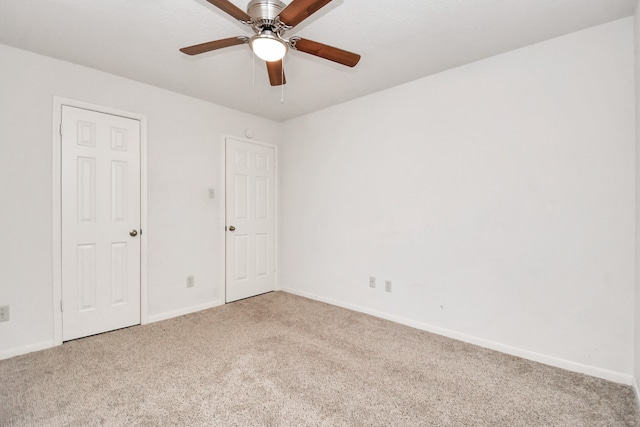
250, 213
100, 222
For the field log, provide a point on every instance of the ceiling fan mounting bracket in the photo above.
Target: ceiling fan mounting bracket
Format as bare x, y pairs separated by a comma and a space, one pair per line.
292, 42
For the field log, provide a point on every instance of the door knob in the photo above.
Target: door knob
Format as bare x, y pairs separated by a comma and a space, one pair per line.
232, 228
133, 233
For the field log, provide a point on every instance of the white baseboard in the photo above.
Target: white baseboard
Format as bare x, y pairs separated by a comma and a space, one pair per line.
182, 311
636, 392
18, 351
514, 351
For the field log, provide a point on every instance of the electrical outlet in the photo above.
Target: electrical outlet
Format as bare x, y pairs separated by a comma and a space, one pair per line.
372, 282
4, 313
387, 285
191, 281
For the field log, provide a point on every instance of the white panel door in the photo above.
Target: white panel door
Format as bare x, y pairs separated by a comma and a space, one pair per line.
250, 212
100, 222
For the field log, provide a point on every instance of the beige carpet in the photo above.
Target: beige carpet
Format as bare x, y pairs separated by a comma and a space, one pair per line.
282, 360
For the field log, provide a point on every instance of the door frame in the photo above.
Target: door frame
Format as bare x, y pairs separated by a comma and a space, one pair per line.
58, 103
223, 195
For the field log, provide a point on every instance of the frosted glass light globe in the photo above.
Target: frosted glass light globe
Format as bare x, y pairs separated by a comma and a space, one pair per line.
268, 48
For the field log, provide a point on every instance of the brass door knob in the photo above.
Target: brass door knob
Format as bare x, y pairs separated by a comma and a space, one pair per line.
232, 228
133, 233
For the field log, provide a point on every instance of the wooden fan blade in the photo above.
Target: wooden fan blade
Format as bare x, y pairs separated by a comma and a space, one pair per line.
209, 46
231, 9
327, 52
276, 73
299, 10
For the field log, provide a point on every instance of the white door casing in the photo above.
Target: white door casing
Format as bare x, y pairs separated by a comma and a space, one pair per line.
100, 222
250, 185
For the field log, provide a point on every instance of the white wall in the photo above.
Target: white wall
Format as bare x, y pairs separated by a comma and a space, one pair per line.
498, 197
184, 159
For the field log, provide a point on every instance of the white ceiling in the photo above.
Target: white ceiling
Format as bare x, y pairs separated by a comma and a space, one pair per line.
399, 40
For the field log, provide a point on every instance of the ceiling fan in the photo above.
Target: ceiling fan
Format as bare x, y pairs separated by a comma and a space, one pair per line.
269, 19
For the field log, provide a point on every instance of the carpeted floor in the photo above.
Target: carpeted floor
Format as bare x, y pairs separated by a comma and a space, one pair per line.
282, 360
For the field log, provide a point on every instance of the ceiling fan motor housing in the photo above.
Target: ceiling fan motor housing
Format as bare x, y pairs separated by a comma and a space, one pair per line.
265, 11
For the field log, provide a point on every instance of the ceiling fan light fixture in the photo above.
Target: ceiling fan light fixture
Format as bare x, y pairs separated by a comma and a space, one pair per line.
268, 47
269, 20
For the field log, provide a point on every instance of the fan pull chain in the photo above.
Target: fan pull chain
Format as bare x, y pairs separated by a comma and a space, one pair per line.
282, 81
